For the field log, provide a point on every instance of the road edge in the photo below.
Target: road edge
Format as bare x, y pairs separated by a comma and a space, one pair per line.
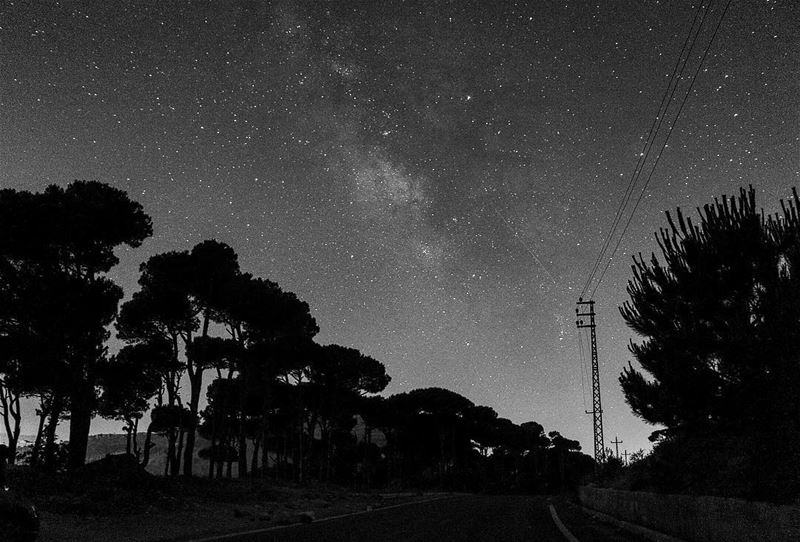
234, 535
633, 528
561, 527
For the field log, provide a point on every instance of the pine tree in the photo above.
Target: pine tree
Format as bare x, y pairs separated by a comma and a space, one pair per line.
707, 312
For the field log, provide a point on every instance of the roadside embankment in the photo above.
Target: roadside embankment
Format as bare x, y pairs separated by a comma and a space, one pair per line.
115, 499
697, 519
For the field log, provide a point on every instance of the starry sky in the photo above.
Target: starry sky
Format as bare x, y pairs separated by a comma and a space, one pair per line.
435, 178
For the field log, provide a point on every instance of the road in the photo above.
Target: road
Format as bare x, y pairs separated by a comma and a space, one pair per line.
455, 519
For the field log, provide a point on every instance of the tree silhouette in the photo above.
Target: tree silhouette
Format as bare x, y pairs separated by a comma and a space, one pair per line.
181, 295
214, 265
482, 422
258, 314
220, 424
129, 381
279, 402
719, 358
169, 420
62, 241
439, 413
10, 396
338, 378
702, 313
161, 313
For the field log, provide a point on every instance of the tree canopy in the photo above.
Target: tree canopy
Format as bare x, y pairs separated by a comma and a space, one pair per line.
55, 248
719, 326
278, 403
715, 316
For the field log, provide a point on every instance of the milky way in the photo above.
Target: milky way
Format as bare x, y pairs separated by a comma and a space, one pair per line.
434, 178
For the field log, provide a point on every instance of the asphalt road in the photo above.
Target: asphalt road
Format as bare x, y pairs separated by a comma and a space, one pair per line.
454, 519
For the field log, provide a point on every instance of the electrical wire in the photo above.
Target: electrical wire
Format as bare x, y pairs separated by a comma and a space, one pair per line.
663, 146
675, 77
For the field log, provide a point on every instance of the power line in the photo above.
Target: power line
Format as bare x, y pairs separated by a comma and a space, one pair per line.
663, 146
658, 121
651, 135
669, 92
650, 141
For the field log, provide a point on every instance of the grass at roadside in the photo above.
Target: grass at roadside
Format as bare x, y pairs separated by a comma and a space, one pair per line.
114, 501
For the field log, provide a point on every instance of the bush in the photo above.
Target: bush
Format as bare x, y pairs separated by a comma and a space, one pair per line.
734, 463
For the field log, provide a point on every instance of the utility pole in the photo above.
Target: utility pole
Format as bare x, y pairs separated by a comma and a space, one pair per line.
597, 409
625, 455
616, 444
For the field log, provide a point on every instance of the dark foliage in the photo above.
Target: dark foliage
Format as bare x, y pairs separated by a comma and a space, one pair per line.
720, 367
279, 405
56, 300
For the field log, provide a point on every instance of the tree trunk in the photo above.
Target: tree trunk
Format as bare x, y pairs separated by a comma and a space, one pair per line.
300, 452
242, 460
6, 402
264, 449
37, 443
389, 455
441, 457
196, 383
177, 467
11, 419
166, 463
16, 413
324, 454
80, 421
285, 458
229, 467
254, 457
212, 452
242, 433
330, 449
263, 432
56, 407
367, 462
147, 445
213, 458
171, 436
136, 438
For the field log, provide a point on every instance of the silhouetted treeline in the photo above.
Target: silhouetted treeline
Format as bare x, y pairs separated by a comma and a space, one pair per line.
720, 360
429, 437
56, 303
278, 404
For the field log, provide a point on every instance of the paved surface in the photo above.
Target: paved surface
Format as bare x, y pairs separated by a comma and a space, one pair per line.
455, 519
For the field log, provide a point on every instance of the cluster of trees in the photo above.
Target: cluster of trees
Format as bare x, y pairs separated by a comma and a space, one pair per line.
197, 311
437, 437
318, 428
56, 302
278, 403
720, 367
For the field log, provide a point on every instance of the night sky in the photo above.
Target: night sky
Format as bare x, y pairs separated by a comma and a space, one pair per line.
434, 178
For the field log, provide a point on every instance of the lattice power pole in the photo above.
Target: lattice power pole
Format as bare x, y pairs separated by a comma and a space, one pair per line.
597, 409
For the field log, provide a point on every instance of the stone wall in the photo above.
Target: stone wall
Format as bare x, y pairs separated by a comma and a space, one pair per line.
698, 519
